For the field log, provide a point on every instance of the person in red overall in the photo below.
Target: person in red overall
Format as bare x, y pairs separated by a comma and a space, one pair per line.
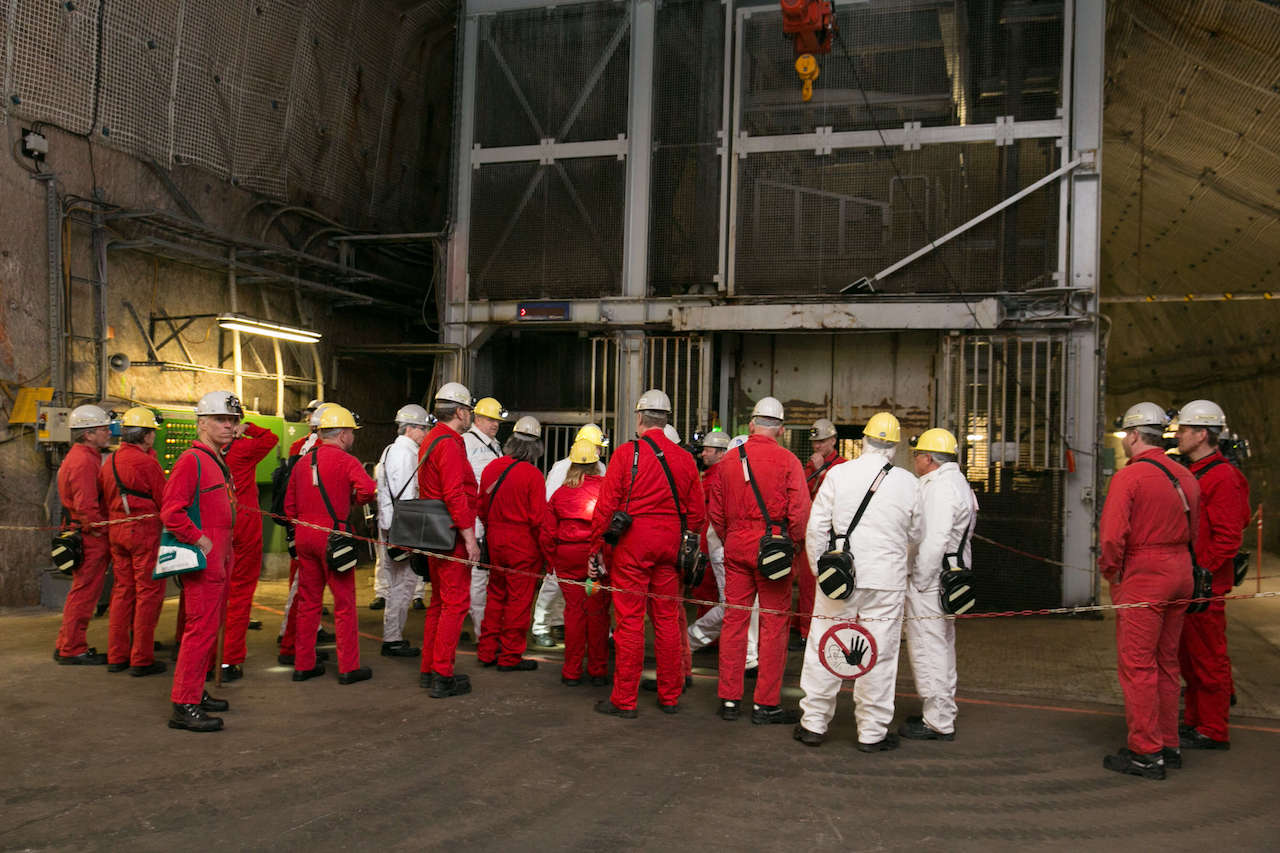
289, 625
81, 499
1143, 536
1224, 514
644, 558
822, 436
327, 470
201, 475
513, 506
252, 444
132, 484
736, 516
565, 536
446, 476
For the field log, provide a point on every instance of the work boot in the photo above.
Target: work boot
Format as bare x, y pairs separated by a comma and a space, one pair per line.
86, 658
211, 704
1172, 758
193, 718
763, 715
557, 633
601, 681
255, 624
890, 741
796, 643
304, 674
454, 685
673, 708
728, 710
487, 664
544, 641
378, 603
323, 636
153, 668
117, 667
604, 706
1194, 739
399, 649
915, 728
807, 737
419, 604
1136, 764
426, 680
232, 672
570, 682
284, 660
364, 673
525, 665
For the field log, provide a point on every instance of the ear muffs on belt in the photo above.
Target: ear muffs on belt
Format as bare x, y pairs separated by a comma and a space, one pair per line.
836, 576
67, 550
957, 594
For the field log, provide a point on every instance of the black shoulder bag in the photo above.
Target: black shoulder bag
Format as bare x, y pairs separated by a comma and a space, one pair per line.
776, 551
1202, 579
1240, 562
690, 562
836, 573
422, 523
956, 592
620, 521
339, 548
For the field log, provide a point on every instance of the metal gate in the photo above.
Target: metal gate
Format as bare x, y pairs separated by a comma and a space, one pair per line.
681, 366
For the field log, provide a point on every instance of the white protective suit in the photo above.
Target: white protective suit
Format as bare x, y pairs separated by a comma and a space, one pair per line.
707, 629
548, 610
395, 470
946, 509
879, 547
481, 450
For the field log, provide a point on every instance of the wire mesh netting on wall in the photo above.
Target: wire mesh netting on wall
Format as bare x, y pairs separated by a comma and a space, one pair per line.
558, 73
547, 230
688, 112
813, 224
943, 63
285, 97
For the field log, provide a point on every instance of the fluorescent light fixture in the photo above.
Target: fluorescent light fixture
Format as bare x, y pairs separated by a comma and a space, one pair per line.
975, 436
250, 326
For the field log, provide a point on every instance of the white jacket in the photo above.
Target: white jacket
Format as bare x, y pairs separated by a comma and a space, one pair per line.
560, 470
879, 542
946, 508
395, 469
481, 450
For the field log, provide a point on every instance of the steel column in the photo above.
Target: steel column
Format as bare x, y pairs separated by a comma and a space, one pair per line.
635, 270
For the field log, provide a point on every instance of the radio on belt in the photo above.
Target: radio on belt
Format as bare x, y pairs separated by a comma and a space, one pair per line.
546, 311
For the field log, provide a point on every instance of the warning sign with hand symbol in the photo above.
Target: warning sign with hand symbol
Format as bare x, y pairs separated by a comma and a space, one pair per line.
847, 650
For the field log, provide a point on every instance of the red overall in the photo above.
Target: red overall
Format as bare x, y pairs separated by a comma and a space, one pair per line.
511, 517
644, 561
78, 491
805, 577
203, 592
342, 475
291, 618
447, 476
1206, 668
243, 457
736, 516
1143, 537
136, 598
566, 540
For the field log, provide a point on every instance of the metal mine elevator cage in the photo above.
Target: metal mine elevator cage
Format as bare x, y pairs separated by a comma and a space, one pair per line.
641, 198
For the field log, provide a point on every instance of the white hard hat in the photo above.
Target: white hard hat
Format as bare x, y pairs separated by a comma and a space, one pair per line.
528, 426
455, 392
313, 405
314, 420
1144, 414
768, 407
220, 403
737, 441
412, 414
88, 417
716, 438
654, 400
672, 434
822, 428
1202, 413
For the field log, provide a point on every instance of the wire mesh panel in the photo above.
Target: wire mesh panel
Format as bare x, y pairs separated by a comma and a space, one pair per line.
547, 230
811, 224
941, 63
139, 42
560, 73
688, 109
258, 159
51, 61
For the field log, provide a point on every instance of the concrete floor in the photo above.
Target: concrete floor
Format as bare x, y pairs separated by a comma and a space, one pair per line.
524, 763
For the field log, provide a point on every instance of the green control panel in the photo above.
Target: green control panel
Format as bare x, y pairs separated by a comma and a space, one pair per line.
178, 430
172, 438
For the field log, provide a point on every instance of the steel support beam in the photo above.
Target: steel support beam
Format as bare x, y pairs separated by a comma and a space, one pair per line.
635, 251
899, 137
454, 296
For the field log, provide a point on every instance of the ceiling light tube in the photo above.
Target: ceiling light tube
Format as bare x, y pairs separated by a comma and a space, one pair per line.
250, 326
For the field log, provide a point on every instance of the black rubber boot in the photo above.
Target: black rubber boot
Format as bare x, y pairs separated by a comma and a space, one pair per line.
457, 685
1148, 766
193, 718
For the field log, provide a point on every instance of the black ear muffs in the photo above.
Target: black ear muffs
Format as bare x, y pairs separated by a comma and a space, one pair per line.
67, 550
957, 593
836, 576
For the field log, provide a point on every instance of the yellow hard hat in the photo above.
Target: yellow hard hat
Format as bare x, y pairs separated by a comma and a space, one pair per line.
334, 416
490, 408
139, 416
584, 452
883, 426
935, 440
593, 434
